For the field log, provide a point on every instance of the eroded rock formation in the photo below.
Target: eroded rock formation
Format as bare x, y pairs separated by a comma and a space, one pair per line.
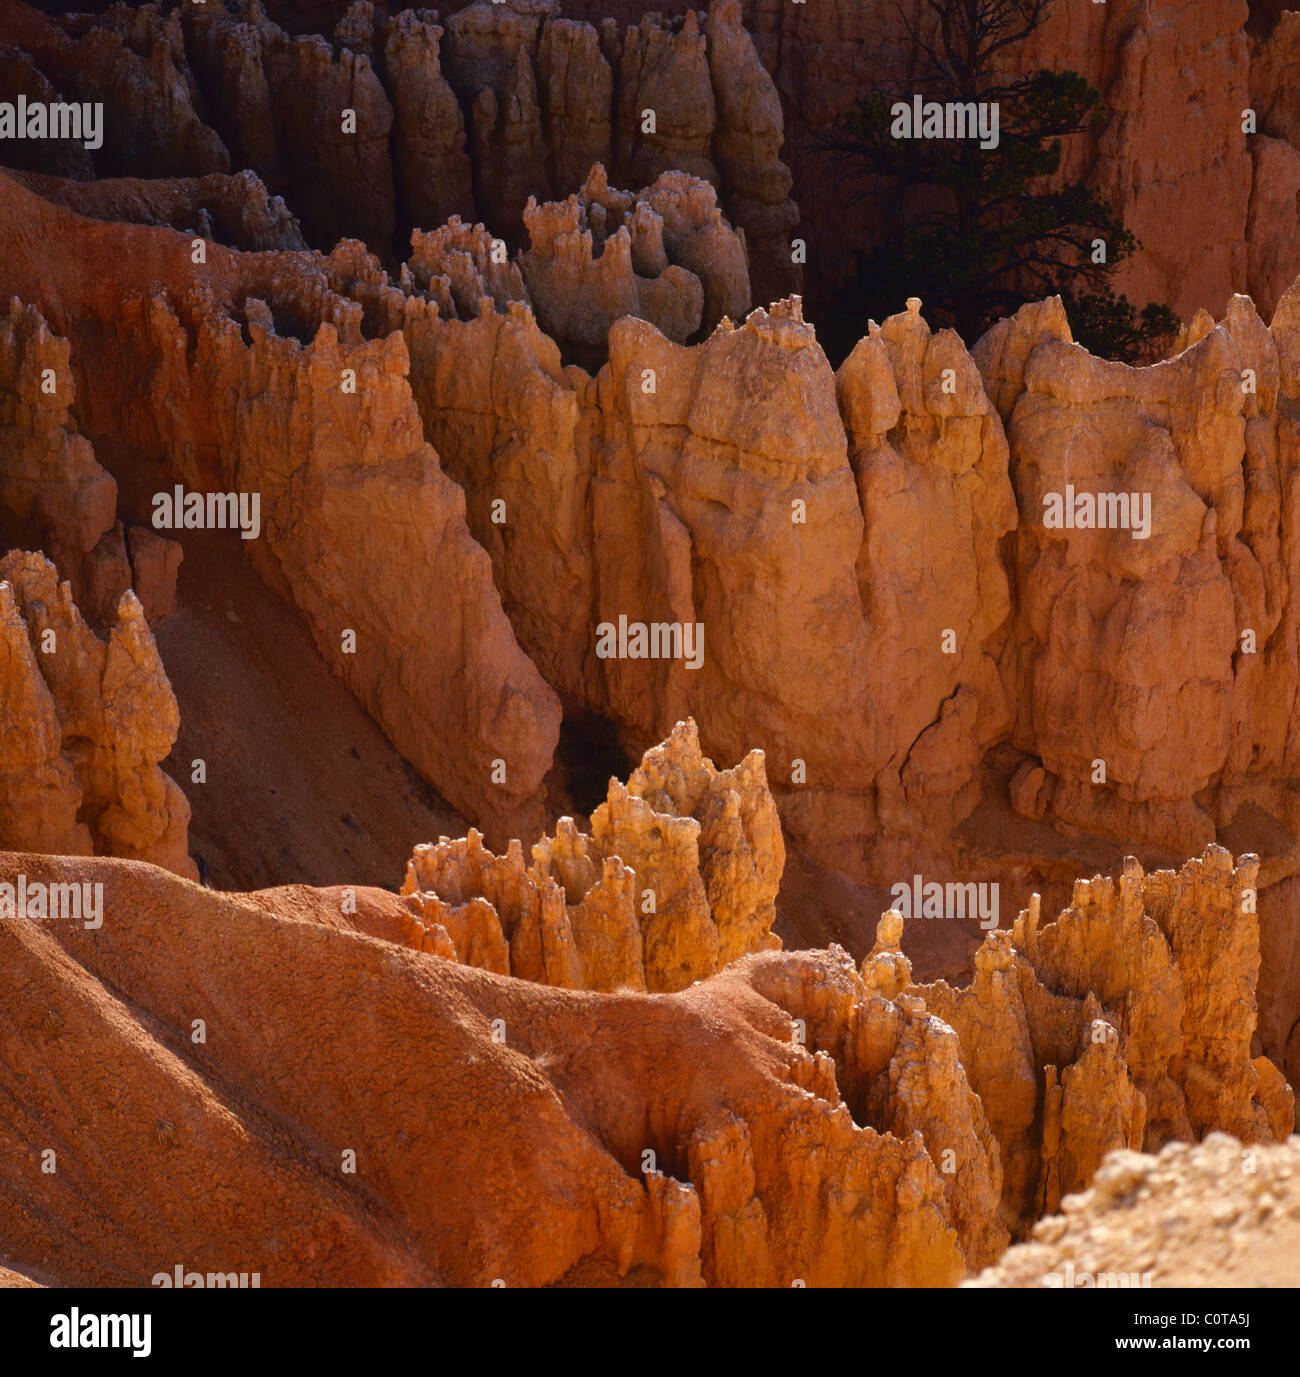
869, 506
254, 374
485, 476
86, 725
1184, 463
665, 255
789, 1120
53, 492
876, 539
677, 879
1114, 1028
233, 210
843, 545
394, 123
52, 489
326, 432
539, 1136
1125, 1024
132, 61
521, 90
1174, 160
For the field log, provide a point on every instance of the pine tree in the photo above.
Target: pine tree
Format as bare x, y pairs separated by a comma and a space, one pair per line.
977, 231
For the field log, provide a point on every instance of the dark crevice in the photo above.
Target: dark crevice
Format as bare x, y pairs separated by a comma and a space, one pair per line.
588, 755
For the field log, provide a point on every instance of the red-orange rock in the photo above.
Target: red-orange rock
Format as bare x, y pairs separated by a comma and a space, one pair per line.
155, 563
89, 723
52, 489
539, 1136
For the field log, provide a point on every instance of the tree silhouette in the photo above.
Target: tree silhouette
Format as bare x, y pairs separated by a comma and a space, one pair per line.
977, 231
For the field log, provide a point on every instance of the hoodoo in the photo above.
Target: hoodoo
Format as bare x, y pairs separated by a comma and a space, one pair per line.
646, 650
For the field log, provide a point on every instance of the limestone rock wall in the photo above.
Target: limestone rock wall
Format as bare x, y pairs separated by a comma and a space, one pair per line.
1204, 440
1173, 160
931, 466
323, 427
866, 510
900, 509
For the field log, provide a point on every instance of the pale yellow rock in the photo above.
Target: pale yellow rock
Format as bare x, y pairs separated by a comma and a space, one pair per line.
677, 880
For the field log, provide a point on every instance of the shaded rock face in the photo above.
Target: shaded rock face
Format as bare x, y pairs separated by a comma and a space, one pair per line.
390, 124
233, 210
132, 62
494, 103
791, 1119
86, 725
53, 491
1214, 207
665, 255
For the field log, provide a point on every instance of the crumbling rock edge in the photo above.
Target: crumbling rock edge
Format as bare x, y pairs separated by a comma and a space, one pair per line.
789, 1119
